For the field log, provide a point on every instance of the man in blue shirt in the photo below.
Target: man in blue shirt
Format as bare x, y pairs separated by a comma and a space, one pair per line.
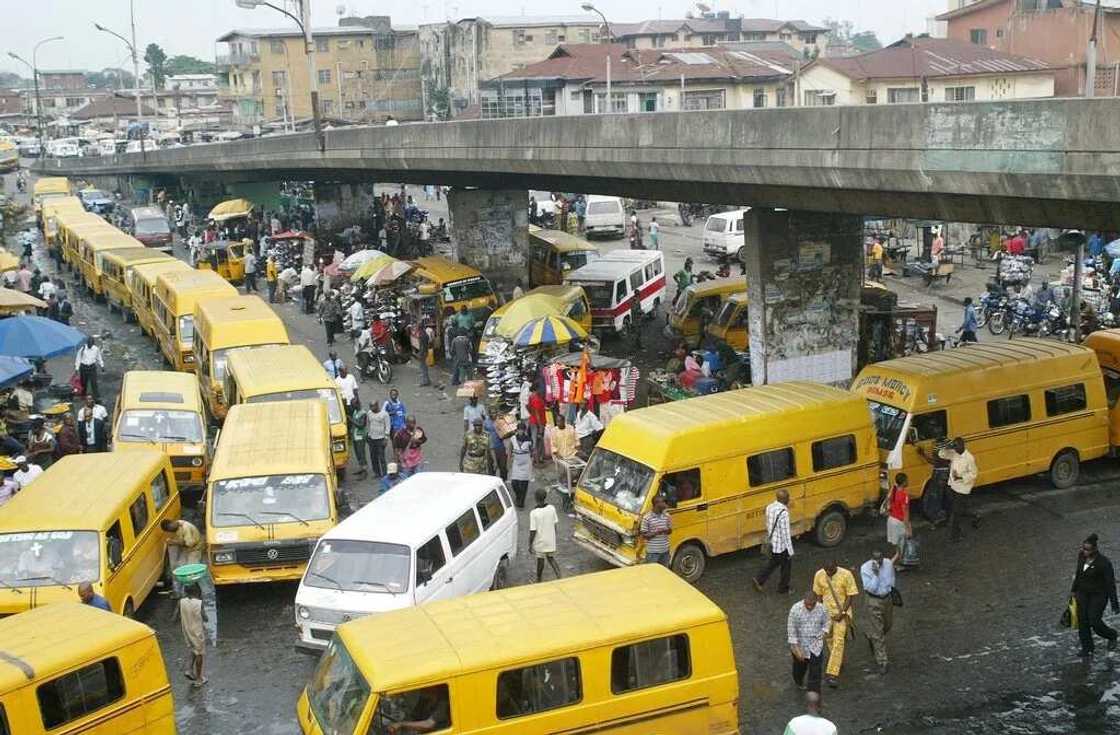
877, 575
967, 329
91, 598
396, 410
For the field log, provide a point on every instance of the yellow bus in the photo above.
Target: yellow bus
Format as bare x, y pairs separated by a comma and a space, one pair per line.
288, 373
173, 301
88, 518
1022, 406
114, 266
141, 281
162, 409
686, 313
53, 210
71, 668
73, 228
731, 324
47, 188
661, 661
442, 284
221, 325
718, 461
554, 254
90, 256
271, 491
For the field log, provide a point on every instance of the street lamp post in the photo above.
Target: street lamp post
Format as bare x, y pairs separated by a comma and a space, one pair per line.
34, 66
304, 23
589, 8
135, 68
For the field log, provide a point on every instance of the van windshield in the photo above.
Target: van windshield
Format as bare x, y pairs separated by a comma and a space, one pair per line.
157, 425
578, 259
491, 326
888, 423
250, 501
152, 226
359, 566
334, 413
49, 558
608, 206
716, 224
337, 691
724, 316
466, 289
616, 479
598, 294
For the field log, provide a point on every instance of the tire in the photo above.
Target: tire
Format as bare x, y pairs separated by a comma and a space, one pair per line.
830, 528
129, 610
501, 575
384, 371
997, 322
1064, 469
740, 254
982, 318
689, 562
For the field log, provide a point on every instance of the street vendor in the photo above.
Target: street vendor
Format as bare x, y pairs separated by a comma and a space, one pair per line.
476, 455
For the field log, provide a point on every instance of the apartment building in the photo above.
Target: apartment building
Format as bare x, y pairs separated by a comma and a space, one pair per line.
713, 29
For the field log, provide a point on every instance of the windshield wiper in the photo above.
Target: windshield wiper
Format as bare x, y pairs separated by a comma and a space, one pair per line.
284, 513
332, 580
382, 585
251, 519
47, 577
15, 589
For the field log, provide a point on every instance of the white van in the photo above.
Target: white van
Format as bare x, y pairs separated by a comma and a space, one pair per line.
434, 536
604, 215
723, 235
612, 281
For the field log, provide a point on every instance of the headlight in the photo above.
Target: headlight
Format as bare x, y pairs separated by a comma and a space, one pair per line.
303, 612
223, 557
196, 462
627, 540
188, 358
338, 446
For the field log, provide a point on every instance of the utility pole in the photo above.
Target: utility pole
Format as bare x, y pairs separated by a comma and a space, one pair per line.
1091, 56
135, 69
34, 67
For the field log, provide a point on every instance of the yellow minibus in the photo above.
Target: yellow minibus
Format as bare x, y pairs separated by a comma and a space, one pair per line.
718, 461
114, 265
554, 254
731, 323
271, 491
287, 373
1022, 406
93, 247
173, 300
221, 325
88, 518
71, 668
661, 661
49, 187
686, 313
141, 281
163, 410
53, 211
72, 229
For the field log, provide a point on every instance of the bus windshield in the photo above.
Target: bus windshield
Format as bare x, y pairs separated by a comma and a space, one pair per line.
600, 295
49, 558
186, 329
270, 499
157, 425
724, 316
616, 479
466, 289
359, 566
888, 423
577, 259
152, 226
337, 691
334, 413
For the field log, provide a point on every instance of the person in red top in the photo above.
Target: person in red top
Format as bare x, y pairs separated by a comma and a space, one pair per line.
898, 512
378, 332
537, 423
1017, 245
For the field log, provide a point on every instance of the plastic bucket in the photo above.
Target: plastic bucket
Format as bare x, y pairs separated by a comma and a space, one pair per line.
189, 573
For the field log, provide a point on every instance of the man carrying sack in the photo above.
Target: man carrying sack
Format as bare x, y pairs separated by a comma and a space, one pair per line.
837, 589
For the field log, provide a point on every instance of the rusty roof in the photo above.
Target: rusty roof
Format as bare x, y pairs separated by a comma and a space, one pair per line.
931, 57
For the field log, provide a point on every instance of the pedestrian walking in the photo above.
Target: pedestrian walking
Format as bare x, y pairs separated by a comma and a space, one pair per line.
498, 447
1094, 586
811, 723
395, 407
347, 385
91, 434
332, 364
654, 234
307, 281
330, 314
636, 318
877, 574
192, 618
249, 262
26, 472
408, 447
538, 422
806, 625
378, 430
424, 337
460, 357
86, 363
476, 454
521, 467
359, 427
897, 504
654, 529
271, 277
836, 588
962, 478
543, 521
780, 543
683, 279
967, 329
472, 411
184, 546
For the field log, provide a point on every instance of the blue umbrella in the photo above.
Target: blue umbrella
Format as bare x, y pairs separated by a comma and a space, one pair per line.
13, 370
37, 338
1113, 249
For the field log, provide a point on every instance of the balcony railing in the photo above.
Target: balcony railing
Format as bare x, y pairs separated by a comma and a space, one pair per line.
224, 60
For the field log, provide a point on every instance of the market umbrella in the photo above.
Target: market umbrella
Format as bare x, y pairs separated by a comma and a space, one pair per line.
8, 262
548, 330
352, 262
1113, 249
230, 209
389, 272
37, 338
521, 311
371, 266
13, 301
14, 369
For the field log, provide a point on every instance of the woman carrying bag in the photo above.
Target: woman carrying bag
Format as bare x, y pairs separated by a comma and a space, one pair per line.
1094, 586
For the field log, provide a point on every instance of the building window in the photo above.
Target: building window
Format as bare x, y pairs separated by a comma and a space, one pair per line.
276, 47
999, 33
328, 107
872, 96
902, 95
279, 107
780, 97
618, 102
519, 37
550, 38
647, 102
73, 101
588, 102
819, 97
361, 43
583, 35
707, 100
280, 79
754, 36
322, 45
708, 39
659, 41
960, 94
324, 76
978, 36
759, 97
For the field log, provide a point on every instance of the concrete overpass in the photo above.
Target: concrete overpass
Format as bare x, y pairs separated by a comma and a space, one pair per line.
1047, 162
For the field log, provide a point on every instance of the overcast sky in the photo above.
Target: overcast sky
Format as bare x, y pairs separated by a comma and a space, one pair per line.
190, 26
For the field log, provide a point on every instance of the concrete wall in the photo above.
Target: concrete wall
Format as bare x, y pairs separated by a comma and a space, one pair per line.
490, 232
804, 273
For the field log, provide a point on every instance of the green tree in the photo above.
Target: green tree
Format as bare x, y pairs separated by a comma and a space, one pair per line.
439, 103
156, 58
8, 80
865, 41
183, 64
13, 217
844, 32
109, 78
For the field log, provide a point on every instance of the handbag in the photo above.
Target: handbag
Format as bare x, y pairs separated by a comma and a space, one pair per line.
767, 549
911, 553
1069, 615
896, 597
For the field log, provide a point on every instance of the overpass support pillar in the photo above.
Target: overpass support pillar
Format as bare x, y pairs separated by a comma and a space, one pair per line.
804, 274
490, 232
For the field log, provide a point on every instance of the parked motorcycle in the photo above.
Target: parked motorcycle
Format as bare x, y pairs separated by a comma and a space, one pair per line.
372, 360
1028, 320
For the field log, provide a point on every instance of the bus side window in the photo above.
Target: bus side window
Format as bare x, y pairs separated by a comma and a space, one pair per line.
932, 425
620, 292
159, 490
1111, 387
138, 513
114, 545
429, 560
679, 487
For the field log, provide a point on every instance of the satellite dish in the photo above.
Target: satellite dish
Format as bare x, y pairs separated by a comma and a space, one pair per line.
340, 9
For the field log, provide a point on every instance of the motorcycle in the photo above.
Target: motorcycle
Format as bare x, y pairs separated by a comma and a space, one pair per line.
372, 360
1027, 320
999, 315
991, 301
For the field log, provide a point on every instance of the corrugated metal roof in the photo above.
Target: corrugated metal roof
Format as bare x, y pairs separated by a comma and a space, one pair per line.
931, 57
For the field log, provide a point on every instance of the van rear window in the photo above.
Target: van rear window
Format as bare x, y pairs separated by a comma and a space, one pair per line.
609, 206
650, 664
716, 224
79, 693
161, 398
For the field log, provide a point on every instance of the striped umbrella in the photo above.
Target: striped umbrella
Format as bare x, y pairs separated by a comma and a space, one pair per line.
548, 330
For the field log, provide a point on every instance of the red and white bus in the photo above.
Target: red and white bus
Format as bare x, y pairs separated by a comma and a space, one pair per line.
615, 279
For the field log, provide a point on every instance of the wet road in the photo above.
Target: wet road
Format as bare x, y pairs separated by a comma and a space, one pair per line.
976, 648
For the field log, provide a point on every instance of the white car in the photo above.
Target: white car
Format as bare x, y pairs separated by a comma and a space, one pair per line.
605, 215
724, 236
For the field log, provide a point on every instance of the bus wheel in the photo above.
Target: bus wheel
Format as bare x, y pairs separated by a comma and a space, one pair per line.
129, 610
1064, 469
830, 529
689, 562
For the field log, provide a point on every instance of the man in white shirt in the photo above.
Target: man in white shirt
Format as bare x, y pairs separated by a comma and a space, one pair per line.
962, 478
357, 319
332, 364
347, 385
86, 363
542, 534
25, 472
47, 289
93, 407
307, 283
588, 427
249, 262
781, 543
811, 723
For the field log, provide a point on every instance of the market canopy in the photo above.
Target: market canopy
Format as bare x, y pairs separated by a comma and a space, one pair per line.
230, 209
388, 273
353, 261
12, 301
366, 270
548, 330
37, 338
523, 310
13, 370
